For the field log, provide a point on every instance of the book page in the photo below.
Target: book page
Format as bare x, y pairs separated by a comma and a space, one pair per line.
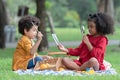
56, 39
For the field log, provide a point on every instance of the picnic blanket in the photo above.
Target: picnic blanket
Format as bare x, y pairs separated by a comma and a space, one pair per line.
111, 71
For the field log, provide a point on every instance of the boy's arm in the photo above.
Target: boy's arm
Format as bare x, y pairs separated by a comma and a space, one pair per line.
36, 45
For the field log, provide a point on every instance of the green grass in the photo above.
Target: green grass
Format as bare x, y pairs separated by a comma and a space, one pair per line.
74, 34
116, 35
7, 74
64, 34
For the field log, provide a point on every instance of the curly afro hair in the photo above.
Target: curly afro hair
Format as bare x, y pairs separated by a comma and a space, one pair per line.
26, 22
104, 23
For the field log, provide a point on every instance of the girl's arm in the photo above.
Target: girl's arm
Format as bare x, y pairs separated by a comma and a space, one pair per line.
87, 42
36, 45
99, 48
71, 51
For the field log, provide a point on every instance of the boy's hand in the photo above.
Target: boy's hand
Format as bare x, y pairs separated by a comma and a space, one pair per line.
39, 35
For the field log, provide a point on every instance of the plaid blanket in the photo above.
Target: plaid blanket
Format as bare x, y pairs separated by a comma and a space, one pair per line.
111, 71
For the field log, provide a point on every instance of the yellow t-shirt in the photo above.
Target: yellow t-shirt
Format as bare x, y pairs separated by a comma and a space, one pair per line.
22, 54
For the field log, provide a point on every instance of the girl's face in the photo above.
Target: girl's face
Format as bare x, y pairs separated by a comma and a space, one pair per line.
32, 32
92, 28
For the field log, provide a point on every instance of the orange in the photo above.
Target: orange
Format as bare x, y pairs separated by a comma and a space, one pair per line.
48, 65
43, 66
61, 69
91, 72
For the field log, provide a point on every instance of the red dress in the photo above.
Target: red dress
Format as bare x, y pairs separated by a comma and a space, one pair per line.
99, 44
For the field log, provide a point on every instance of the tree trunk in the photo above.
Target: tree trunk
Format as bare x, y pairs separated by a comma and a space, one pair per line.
50, 21
110, 8
3, 22
106, 6
40, 13
101, 5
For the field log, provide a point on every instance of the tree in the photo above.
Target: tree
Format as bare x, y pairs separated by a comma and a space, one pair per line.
84, 8
3, 22
106, 6
41, 14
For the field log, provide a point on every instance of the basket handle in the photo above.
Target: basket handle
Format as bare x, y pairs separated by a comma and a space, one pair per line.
54, 53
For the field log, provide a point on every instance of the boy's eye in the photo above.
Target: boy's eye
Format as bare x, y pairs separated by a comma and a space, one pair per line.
34, 30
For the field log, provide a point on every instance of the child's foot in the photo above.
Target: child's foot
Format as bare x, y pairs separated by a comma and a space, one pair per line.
37, 66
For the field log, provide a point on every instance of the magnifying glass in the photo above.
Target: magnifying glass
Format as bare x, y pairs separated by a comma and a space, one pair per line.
82, 29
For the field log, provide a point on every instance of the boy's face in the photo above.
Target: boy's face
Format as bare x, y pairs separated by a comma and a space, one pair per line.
32, 32
92, 28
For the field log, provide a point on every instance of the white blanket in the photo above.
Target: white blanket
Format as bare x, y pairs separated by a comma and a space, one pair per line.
64, 72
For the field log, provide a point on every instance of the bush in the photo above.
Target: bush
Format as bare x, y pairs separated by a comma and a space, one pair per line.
71, 19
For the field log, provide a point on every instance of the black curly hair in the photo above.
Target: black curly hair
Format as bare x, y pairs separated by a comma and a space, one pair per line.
104, 23
26, 22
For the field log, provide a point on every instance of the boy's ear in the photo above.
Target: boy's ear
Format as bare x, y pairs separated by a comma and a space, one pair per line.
25, 31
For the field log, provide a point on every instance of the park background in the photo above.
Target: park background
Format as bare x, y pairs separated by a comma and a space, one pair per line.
63, 17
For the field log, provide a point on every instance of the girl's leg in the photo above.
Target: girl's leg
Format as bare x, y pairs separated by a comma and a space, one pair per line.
93, 62
31, 64
70, 64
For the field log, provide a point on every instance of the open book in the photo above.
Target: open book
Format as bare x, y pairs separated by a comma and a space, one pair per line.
56, 39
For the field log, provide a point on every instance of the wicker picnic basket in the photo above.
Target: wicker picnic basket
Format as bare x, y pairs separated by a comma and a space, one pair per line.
50, 64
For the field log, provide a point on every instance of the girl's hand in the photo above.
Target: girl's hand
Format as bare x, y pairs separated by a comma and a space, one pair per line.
39, 35
62, 48
86, 40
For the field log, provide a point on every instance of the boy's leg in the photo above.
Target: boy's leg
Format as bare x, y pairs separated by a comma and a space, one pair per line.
37, 59
93, 62
31, 64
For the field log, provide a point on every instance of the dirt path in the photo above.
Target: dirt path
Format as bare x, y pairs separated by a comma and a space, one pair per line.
65, 43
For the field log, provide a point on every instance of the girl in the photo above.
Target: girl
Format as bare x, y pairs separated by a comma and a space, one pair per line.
92, 49
25, 55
